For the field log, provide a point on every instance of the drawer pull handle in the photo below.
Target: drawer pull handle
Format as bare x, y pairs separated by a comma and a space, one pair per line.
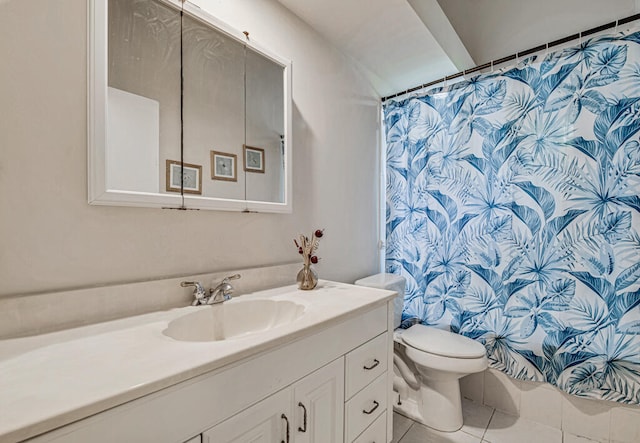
303, 428
376, 362
284, 417
370, 411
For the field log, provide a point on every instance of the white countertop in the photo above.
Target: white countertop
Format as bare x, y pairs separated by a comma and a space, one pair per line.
50, 380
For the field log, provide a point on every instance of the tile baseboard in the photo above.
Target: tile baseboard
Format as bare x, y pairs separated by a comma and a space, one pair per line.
579, 418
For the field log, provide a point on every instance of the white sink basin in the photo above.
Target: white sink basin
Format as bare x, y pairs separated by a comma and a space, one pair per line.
233, 319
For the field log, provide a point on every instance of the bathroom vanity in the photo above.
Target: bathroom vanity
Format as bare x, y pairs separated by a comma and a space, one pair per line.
316, 373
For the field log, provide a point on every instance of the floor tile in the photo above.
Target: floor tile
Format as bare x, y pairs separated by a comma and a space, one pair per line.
476, 417
625, 424
422, 434
504, 428
586, 417
401, 425
570, 438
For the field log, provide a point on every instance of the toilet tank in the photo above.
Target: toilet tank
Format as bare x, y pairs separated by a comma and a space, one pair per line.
391, 282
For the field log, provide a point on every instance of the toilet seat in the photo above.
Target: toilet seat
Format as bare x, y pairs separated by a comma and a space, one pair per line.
442, 343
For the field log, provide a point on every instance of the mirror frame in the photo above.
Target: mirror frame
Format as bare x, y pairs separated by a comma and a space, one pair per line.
97, 82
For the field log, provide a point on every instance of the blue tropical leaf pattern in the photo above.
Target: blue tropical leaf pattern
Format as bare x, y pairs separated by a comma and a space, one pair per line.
513, 211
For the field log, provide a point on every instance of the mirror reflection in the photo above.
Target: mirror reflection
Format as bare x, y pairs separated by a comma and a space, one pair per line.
264, 152
219, 134
213, 69
143, 96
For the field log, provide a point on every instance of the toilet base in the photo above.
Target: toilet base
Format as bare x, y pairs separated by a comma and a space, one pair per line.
441, 404
432, 383
436, 404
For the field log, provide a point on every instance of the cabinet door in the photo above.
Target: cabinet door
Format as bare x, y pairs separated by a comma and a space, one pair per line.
268, 421
319, 403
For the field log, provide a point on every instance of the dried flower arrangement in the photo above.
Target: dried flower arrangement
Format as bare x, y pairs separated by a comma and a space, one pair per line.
307, 277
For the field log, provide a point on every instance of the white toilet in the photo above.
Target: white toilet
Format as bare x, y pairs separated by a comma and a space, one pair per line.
428, 364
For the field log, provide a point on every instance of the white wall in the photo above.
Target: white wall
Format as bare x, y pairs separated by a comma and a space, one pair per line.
50, 238
492, 29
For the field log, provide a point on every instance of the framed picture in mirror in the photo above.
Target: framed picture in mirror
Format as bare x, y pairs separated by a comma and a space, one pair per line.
253, 159
224, 166
186, 178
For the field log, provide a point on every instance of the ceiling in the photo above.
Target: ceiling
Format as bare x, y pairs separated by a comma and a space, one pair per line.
400, 44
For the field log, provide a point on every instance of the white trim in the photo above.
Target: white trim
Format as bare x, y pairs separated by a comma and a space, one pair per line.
382, 191
97, 98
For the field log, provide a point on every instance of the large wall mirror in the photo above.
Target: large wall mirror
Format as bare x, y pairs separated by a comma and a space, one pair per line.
185, 112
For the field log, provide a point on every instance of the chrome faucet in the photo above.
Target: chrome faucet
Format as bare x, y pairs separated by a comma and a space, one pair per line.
223, 291
199, 293
219, 294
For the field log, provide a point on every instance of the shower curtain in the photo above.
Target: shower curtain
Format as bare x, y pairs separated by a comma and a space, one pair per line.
513, 212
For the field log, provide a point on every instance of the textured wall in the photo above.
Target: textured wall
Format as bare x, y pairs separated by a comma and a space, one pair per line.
50, 238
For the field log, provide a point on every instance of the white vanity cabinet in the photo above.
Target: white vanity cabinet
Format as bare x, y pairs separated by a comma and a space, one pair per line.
310, 411
367, 391
345, 401
319, 405
320, 375
267, 421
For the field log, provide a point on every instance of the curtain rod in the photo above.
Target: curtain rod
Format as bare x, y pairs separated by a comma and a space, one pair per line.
491, 64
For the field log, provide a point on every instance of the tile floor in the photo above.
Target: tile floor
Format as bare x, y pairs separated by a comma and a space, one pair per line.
482, 424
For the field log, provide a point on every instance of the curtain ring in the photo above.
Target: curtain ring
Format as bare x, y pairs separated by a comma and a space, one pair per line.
445, 82
580, 38
616, 28
546, 51
492, 66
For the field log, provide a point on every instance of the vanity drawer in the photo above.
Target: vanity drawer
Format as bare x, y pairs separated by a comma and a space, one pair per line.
376, 433
365, 407
365, 363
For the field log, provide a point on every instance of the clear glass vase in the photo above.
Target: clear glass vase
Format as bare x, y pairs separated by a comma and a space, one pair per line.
307, 278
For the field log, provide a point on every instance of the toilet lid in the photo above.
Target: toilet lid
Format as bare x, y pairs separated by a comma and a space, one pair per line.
441, 342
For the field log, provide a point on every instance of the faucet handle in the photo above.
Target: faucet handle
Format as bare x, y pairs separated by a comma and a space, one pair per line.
199, 292
222, 291
231, 277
